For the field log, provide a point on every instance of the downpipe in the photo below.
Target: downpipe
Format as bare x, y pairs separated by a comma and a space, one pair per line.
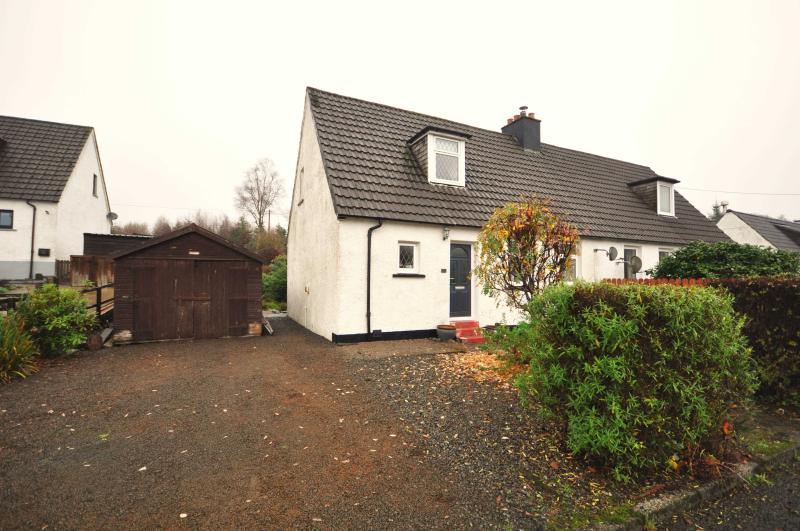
369, 274
33, 236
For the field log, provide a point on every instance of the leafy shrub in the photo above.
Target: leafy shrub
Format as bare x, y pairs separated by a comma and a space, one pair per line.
772, 308
17, 350
273, 283
726, 260
57, 318
637, 372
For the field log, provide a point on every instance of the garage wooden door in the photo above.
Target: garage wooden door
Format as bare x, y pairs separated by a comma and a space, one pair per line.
179, 299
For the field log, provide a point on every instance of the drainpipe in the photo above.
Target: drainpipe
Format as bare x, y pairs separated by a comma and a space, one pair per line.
369, 272
33, 234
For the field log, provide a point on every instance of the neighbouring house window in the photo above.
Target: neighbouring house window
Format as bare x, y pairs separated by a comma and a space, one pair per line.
630, 252
666, 199
94, 185
6, 219
446, 160
571, 274
408, 259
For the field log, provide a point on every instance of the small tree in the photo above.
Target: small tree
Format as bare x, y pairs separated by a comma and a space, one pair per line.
524, 247
262, 186
136, 228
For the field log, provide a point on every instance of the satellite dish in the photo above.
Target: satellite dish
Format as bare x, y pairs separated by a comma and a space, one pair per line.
112, 216
636, 264
612, 253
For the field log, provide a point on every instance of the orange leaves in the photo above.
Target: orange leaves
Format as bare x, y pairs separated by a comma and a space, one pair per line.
727, 428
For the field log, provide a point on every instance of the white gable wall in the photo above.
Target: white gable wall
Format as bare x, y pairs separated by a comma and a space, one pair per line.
740, 232
596, 265
313, 241
59, 226
79, 210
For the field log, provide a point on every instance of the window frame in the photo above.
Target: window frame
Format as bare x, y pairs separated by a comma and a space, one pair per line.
94, 184
671, 188
667, 250
11, 212
573, 259
432, 152
414, 269
637, 252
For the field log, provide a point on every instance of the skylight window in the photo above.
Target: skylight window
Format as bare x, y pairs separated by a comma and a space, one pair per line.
446, 160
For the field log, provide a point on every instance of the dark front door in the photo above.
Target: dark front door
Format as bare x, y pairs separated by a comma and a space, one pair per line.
460, 293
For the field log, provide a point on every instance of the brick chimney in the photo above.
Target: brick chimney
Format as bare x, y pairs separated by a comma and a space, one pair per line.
525, 129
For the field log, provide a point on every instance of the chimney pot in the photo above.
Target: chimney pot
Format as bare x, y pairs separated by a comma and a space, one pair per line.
510, 121
516, 117
522, 110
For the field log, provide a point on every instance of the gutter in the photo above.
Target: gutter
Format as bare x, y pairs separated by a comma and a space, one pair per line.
33, 235
369, 272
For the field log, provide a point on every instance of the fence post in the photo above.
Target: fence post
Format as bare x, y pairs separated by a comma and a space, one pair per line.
98, 299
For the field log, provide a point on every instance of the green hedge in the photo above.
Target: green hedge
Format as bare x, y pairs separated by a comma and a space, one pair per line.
637, 372
726, 260
771, 306
273, 283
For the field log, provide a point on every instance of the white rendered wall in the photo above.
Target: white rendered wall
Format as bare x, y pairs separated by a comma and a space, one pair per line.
740, 232
79, 210
312, 247
595, 265
401, 304
15, 244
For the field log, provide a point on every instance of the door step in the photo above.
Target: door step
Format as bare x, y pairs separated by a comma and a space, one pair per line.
469, 332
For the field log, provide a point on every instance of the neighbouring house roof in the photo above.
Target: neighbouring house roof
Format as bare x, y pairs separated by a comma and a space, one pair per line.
189, 229
37, 157
783, 234
372, 173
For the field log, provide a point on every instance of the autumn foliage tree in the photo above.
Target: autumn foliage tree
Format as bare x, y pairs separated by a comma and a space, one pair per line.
524, 247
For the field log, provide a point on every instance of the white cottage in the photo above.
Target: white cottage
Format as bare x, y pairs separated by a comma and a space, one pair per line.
52, 191
388, 203
764, 231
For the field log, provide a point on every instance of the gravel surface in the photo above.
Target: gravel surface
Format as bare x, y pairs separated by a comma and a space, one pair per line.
773, 502
270, 432
478, 431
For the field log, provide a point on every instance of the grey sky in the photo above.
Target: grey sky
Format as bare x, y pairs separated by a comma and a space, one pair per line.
185, 95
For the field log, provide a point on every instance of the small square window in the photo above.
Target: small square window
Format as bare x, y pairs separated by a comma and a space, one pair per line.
407, 257
665, 199
663, 252
6, 219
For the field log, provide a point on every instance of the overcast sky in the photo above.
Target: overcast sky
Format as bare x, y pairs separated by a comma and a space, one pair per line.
184, 96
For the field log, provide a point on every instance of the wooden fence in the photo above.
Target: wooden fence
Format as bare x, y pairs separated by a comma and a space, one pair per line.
98, 270
63, 272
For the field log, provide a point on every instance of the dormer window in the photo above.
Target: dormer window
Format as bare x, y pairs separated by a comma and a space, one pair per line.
666, 199
440, 155
445, 160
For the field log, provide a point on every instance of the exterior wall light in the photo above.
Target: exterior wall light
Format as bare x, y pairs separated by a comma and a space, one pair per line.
445, 232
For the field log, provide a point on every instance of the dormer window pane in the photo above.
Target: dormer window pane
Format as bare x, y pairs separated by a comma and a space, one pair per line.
446, 145
447, 167
665, 205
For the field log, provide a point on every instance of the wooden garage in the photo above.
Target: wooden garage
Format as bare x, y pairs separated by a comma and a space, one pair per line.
189, 283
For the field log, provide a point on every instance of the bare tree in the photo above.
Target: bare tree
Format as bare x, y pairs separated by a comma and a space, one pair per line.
137, 228
262, 186
161, 226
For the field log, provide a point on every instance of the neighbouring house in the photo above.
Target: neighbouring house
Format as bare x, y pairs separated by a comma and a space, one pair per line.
387, 205
188, 283
761, 230
52, 190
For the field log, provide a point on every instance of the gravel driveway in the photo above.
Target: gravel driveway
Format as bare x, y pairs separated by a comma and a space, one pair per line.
253, 432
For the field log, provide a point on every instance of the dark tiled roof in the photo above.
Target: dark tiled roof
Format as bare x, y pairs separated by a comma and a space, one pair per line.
780, 233
38, 157
372, 173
